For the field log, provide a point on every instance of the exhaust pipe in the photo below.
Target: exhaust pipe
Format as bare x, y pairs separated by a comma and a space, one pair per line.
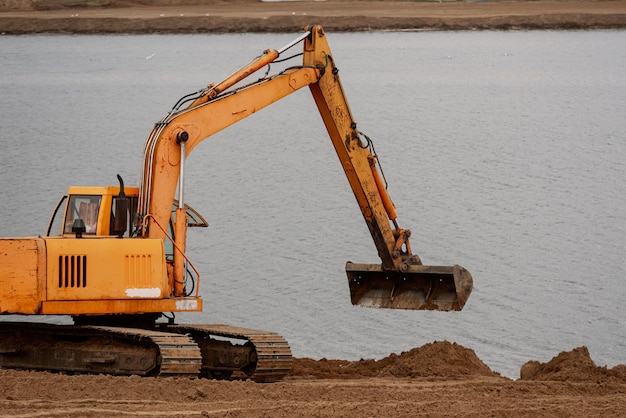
438, 288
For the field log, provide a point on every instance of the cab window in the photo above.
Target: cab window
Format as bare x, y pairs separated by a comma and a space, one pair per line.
85, 207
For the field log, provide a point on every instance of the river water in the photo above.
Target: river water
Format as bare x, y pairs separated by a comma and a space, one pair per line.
504, 153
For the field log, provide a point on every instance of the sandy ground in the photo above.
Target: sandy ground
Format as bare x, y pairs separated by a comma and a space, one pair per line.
178, 16
437, 379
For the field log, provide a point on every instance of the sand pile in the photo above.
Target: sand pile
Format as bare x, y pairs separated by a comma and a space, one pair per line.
449, 380
574, 366
437, 359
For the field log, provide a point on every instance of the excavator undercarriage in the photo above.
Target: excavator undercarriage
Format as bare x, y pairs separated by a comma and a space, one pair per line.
211, 351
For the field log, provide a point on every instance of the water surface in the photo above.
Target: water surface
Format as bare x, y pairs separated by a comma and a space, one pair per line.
503, 151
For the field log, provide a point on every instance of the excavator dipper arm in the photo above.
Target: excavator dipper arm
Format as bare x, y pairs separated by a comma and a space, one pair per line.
400, 281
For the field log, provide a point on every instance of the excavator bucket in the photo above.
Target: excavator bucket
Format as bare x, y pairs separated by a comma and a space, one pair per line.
438, 288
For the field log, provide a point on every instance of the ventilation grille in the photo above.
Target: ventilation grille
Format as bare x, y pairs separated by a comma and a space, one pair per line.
72, 271
138, 270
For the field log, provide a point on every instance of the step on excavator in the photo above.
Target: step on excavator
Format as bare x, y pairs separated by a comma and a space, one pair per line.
113, 258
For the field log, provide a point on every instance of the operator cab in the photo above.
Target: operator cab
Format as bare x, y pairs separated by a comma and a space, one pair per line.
96, 208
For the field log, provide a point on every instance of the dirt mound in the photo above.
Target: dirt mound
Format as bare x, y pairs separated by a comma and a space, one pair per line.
574, 366
437, 359
362, 388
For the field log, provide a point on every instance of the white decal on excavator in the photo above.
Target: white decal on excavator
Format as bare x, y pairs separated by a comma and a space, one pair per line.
187, 305
137, 292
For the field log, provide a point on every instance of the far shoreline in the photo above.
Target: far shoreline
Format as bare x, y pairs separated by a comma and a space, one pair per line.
253, 16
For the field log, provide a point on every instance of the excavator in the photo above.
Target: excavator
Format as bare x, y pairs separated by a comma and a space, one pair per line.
114, 258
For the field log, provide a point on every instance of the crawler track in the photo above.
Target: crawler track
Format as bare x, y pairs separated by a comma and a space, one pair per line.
98, 349
262, 356
212, 351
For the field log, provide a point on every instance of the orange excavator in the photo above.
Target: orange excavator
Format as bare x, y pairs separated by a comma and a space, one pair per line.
119, 264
